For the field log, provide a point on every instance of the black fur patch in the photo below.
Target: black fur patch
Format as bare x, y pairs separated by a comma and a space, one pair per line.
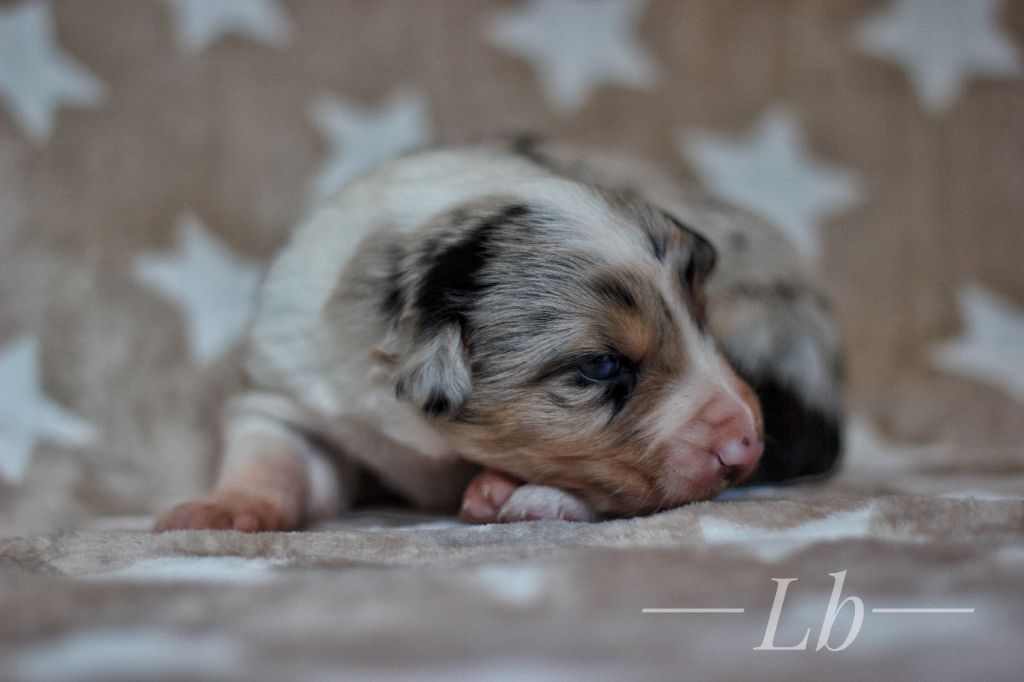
702, 256
800, 440
451, 284
437, 404
701, 262
659, 245
614, 291
618, 391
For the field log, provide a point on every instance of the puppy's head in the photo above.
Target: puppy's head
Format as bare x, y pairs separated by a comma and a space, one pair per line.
559, 336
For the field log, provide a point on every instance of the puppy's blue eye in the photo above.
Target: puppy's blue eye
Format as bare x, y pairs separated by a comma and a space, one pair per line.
601, 367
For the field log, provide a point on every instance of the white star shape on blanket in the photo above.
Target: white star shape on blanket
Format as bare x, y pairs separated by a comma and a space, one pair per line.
941, 44
361, 138
36, 75
27, 414
868, 455
991, 346
200, 23
576, 46
214, 288
771, 173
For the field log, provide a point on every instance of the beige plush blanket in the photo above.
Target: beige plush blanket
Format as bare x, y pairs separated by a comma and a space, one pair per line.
153, 156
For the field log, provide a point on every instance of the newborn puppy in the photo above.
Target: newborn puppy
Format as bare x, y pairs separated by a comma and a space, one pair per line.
536, 333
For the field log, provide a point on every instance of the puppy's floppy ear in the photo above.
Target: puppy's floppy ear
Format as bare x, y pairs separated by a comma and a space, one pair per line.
443, 276
432, 369
433, 373
702, 257
702, 261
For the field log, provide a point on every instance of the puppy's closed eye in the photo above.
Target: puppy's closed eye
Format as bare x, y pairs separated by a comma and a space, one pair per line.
610, 372
604, 367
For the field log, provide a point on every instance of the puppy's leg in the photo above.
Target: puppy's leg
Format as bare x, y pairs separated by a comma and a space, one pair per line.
271, 479
542, 502
485, 495
494, 497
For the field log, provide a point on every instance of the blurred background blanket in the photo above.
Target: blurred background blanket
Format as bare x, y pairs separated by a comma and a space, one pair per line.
154, 155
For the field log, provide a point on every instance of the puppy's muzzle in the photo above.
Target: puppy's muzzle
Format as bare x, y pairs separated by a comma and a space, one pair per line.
718, 446
733, 436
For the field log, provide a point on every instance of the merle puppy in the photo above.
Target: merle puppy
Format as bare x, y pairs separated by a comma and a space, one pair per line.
530, 331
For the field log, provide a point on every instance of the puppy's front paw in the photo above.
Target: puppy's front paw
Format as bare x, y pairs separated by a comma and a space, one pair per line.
225, 511
541, 502
485, 495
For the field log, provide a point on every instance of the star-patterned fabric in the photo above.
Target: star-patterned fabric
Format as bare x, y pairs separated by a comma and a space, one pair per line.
770, 173
28, 414
576, 46
200, 23
155, 155
989, 348
213, 288
360, 139
942, 45
36, 75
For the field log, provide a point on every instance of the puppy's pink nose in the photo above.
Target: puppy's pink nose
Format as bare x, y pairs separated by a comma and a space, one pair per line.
733, 437
741, 452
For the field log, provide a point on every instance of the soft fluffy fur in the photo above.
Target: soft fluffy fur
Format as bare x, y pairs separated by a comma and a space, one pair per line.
452, 307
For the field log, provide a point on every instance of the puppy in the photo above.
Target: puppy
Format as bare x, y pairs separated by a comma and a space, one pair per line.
535, 332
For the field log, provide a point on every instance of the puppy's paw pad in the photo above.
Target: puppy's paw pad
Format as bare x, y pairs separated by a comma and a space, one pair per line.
541, 502
485, 495
228, 512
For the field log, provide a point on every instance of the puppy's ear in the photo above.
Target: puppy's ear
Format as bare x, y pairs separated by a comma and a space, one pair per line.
702, 261
702, 258
445, 277
433, 372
